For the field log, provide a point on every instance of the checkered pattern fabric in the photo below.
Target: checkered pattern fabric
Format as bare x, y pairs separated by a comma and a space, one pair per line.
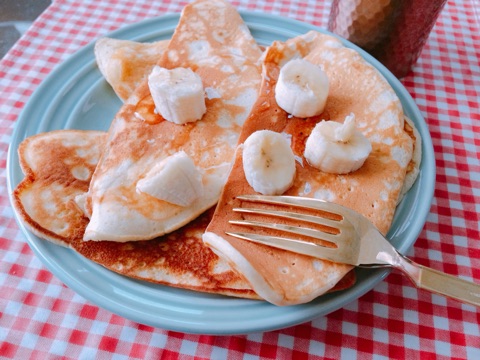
41, 318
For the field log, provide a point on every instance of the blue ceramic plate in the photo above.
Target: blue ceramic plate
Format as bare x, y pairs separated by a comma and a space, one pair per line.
75, 96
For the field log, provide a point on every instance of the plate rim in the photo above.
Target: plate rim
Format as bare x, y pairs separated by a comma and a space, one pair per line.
134, 32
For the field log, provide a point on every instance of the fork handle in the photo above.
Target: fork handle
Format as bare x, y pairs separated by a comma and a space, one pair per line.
440, 283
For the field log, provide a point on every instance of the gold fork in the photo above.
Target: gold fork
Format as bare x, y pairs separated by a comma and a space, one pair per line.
353, 240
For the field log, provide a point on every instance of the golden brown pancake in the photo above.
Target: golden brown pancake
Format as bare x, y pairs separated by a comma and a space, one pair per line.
179, 259
413, 168
282, 277
45, 203
125, 63
58, 166
211, 39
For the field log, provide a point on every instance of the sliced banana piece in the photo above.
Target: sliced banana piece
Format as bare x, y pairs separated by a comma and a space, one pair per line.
337, 148
268, 162
302, 88
176, 180
178, 94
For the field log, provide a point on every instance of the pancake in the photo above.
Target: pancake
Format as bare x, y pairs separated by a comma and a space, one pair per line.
125, 63
413, 168
211, 39
179, 259
282, 277
45, 203
58, 166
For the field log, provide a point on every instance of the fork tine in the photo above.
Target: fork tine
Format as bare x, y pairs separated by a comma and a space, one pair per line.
316, 234
292, 216
335, 223
301, 247
308, 203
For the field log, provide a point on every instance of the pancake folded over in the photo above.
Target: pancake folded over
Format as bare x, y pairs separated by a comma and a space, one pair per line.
279, 276
212, 40
125, 64
58, 166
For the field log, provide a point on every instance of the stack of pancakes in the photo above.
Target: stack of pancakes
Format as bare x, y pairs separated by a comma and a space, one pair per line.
79, 189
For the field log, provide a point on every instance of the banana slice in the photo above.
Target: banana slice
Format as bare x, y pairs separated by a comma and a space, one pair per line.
302, 88
176, 180
178, 94
268, 162
337, 148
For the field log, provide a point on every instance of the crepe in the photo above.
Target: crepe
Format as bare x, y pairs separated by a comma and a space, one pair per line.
282, 277
58, 166
125, 63
45, 202
211, 39
413, 168
178, 259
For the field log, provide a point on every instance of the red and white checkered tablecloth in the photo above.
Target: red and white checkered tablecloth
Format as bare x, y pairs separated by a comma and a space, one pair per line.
42, 318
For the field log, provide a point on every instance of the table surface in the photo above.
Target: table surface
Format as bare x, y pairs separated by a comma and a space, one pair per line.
42, 318
15, 18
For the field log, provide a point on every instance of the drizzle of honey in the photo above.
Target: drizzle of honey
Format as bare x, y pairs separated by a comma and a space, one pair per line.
145, 110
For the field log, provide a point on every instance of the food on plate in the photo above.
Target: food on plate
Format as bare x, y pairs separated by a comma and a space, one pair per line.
268, 162
302, 88
279, 276
150, 184
414, 166
58, 166
178, 94
125, 63
175, 179
337, 148
211, 39
179, 259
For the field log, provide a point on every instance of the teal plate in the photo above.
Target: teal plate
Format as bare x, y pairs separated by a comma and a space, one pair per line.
75, 96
